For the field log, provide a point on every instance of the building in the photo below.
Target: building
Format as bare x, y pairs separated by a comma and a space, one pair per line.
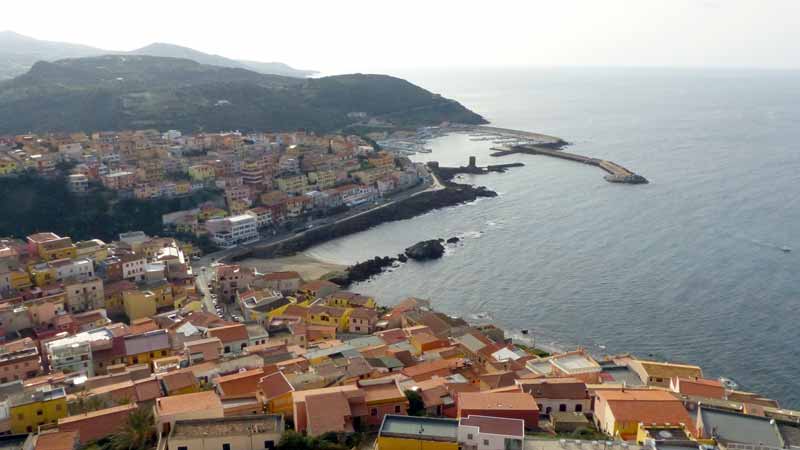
423, 433
618, 412
512, 405
145, 347
731, 428
19, 360
335, 409
655, 373
78, 183
74, 354
234, 338
383, 396
95, 425
363, 321
557, 394
491, 433
29, 410
230, 231
697, 387
198, 405
283, 282
261, 432
275, 393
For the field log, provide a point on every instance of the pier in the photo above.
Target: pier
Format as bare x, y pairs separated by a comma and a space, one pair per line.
616, 173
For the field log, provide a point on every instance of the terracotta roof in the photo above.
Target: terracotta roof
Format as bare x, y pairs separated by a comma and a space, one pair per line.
364, 313
648, 406
555, 388
381, 390
329, 310
274, 385
495, 425
432, 366
230, 333
295, 311
496, 401
289, 275
316, 285
701, 387
499, 379
97, 413
327, 412
178, 380
147, 389
61, 440
197, 401
667, 370
244, 383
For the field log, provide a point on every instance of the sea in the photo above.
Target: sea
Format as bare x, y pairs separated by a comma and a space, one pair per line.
689, 268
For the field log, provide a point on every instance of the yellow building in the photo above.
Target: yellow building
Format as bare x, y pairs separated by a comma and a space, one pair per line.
422, 433
275, 392
19, 279
383, 160
291, 183
57, 248
29, 410
346, 299
330, 316
7, 166
147, 347
183, 187
138, 304
324, 179
201, 172
43, 274
94, 249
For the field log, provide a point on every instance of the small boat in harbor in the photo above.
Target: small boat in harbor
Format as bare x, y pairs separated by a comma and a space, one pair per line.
785, 249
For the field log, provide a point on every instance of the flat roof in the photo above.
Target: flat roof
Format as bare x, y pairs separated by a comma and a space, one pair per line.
420, 428
228, 426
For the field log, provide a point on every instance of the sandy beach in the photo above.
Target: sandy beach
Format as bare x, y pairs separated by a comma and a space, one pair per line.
309, 267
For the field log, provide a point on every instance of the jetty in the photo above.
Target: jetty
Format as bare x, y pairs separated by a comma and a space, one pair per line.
616, 173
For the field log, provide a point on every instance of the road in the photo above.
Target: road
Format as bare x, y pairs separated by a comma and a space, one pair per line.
202, 266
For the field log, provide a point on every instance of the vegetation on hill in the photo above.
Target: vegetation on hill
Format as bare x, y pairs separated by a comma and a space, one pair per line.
134, 91
41, 204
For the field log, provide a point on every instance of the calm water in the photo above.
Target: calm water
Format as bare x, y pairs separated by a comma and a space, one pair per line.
687, 268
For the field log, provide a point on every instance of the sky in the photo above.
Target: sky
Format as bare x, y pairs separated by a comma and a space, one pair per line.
336, 36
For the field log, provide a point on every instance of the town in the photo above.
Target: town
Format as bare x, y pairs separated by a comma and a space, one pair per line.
126, 345
262, 185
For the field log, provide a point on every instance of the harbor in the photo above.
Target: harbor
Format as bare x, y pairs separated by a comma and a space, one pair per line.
616, 172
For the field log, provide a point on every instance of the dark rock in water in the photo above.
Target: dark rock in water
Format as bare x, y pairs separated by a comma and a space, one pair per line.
364, 270
425, 250
453, 240
402, 258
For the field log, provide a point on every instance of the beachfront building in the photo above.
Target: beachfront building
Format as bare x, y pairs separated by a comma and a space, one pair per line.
230, 231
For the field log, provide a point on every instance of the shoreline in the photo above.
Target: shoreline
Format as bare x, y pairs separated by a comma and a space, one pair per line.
308, 266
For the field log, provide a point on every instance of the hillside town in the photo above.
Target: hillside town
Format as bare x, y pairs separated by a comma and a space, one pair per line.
265, 182
100, 338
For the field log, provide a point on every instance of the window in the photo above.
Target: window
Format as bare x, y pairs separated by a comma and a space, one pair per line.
578, 407
470, 436
562, 407
269, 445
374, 412
485, 442
397, 409
227, 349
226, 446
39, 412
58, 407
20, 416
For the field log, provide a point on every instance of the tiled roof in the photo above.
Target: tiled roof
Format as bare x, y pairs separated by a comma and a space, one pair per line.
197, 401
146, 342
496, 401
274, 385
230, 333
496, 425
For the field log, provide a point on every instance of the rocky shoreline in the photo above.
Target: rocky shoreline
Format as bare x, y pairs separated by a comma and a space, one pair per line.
452, 194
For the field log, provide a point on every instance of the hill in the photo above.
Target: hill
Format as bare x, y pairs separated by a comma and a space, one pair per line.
134, 91
19, 53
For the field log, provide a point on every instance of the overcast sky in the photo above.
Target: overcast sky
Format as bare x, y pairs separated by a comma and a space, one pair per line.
373, 35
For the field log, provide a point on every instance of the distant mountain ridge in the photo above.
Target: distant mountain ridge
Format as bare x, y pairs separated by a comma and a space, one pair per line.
113, 92
18, 53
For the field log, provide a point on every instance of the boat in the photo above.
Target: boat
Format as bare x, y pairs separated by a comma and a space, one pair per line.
785, 249
728, 383
524, 331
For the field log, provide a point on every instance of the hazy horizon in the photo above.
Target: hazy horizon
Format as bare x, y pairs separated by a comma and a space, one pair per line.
360, 36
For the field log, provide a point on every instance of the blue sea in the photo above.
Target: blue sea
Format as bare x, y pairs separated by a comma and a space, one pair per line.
687, 268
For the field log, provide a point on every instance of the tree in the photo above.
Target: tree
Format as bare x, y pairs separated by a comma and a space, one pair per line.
137, 433
416, 407
84, 404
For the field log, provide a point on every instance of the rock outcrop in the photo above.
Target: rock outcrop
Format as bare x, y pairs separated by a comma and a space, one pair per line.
426, 250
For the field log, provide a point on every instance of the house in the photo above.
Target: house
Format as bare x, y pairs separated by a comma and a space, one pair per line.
144, 348
262, 305
95, 425
697, 387
363, 320
567, 422
346, 299
177, 383
423, 342
655, 373
283, 282
437, 368
512, 405
275, 393
208, 349
436, 398
234, 338
330, 316
199, 405
19, 360
618, 412
728, 428
407, 432
53, 440
491, 433
243, 384
29, 410
383, 396
261, 432
333, 409
317, 289
557, 394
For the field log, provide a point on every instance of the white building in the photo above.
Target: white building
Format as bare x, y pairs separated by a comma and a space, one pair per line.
230, 231
78, 182
73, 269
73, 354
491, 433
